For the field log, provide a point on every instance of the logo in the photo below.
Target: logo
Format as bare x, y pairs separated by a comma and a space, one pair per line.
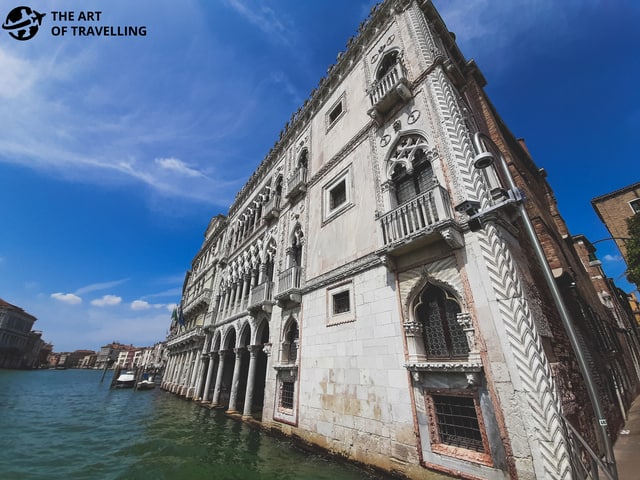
23, 23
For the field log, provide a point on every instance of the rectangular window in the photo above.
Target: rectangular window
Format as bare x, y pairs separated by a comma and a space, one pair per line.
338, 195
456, 426
286, 395
335, 112
458, 422
635, 205
341, 302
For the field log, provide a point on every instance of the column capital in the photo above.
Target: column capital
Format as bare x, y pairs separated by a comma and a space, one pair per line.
254, 349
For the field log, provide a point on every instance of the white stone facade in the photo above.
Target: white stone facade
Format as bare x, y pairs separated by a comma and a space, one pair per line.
344, 299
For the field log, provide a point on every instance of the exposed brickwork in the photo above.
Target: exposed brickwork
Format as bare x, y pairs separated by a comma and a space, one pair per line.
614, 210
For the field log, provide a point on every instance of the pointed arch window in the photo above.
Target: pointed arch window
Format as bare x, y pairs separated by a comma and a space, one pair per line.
297, 240
410, 170
290, 344
386, 64
437, 311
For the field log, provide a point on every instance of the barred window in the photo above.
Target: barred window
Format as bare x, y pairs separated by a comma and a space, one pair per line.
286, 395
444, 337
341, 302
457, 419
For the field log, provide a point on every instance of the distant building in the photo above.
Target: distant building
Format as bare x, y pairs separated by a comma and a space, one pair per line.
19, 346
88, 361
615, 208
108, 354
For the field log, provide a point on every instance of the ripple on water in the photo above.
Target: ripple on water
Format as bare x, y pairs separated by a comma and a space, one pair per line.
68, 425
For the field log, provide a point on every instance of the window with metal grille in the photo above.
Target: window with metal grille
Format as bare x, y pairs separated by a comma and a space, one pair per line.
341, 302
458, 424
444, 337
286, 395
338, 195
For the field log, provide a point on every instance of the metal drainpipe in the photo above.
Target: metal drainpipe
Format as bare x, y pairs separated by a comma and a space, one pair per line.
478, 140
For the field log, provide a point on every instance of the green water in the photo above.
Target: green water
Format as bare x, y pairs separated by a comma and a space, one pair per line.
65, 424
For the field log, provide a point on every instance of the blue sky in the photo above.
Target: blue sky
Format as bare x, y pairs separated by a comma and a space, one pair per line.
116, 152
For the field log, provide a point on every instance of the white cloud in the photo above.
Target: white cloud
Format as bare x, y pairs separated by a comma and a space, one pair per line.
140, 305
612, 258
177, 166
107, 301
69, 298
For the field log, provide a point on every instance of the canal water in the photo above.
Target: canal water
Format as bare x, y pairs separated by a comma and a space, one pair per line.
65, 424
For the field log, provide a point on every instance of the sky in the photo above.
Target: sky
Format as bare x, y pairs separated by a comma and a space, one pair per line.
115, 152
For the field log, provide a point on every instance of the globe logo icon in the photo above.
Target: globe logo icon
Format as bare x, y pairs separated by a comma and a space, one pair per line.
23, 23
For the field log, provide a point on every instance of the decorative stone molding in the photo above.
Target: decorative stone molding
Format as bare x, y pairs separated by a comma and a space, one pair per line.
452, 236
290, 370
443, 367
413, 329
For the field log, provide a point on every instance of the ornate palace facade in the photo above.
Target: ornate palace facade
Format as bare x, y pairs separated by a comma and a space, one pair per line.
372, 292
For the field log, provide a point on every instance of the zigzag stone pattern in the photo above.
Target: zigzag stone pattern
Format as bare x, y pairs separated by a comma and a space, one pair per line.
531, 362
467, 186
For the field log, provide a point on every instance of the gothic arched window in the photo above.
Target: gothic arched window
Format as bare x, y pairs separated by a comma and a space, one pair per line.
290, 344
437, 312
386, 64
296, 246
410, 169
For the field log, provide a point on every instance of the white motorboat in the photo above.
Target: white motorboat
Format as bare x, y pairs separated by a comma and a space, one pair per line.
126, 379
146, 384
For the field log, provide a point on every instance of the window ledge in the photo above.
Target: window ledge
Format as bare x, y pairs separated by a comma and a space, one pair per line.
463, 367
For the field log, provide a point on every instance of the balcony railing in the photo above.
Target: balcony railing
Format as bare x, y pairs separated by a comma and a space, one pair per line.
261, 296
297, 183
416, 218
201, 299
392, 88
192, 335
289, 285
271, 209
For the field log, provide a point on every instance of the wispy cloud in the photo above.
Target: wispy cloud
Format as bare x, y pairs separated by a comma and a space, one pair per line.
107, 301
144, 305
94, 287
69, 298
265, 18
175, 165
612, 258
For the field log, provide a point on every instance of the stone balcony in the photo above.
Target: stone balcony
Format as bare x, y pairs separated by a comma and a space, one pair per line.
422, 220
297, 183
271, 209
201, 300
389, 91
261, 298
289, 287
194, 335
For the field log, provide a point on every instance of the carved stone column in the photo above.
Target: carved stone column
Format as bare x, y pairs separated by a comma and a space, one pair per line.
248, 399
464, 320
207, 383
202, 360
216, 390
235, 383
415, 343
